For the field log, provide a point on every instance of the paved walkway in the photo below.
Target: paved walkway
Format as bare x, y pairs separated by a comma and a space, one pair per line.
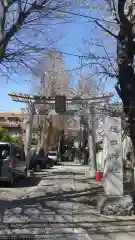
85, 213
61, 206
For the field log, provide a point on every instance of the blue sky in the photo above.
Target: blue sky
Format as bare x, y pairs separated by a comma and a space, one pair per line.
73, 36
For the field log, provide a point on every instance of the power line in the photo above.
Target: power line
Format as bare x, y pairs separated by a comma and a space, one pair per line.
82, 56
90, 56
73, 13
85, 16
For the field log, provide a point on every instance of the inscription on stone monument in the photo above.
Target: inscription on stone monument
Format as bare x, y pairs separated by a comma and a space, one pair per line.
113, 142
113, 169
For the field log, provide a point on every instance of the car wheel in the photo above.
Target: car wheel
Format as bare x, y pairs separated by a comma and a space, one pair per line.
11, 181
37, 168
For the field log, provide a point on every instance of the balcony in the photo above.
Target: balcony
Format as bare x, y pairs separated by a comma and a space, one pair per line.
14, 124
10, 123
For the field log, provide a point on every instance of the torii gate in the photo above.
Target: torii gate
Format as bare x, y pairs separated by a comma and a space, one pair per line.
33, 100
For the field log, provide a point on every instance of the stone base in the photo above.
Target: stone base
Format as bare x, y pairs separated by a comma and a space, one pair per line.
90, 173
115, 205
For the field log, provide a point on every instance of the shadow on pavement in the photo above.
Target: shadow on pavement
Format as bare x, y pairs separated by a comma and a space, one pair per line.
60, 173
47, 185
59, 216
27, 182
66, 173
48, 197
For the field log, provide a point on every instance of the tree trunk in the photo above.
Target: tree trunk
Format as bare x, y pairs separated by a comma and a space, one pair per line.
125, 57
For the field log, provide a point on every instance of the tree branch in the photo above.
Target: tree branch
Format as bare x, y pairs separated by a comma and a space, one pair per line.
106, 30
15, 27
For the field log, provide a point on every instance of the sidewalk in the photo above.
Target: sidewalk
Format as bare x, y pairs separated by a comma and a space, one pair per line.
76, 167
85, 214
97, 226
64, 201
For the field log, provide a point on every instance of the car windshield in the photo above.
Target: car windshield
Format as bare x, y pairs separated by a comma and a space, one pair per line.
4, 149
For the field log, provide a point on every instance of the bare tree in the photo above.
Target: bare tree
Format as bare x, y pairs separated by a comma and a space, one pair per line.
54, 80
125, 54
19, 20
124, 15
86, 87
120, 28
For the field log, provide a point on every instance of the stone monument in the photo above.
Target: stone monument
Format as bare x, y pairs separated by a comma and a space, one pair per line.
114, 202
113, 170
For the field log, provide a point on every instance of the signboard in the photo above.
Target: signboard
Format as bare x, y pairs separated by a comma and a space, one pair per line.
113, 163
60, 104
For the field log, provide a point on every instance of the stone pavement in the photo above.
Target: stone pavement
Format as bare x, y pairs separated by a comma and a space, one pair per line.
61, 206
85, 213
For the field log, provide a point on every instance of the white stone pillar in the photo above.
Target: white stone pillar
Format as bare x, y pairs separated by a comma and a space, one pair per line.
104, 154
113, 170
113, 201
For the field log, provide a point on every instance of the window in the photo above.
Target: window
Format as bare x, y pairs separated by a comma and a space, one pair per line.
34, 141
3, 148
19, 154
53, 154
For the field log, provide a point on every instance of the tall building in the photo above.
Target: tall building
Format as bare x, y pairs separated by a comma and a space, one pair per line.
54, 76
87, 86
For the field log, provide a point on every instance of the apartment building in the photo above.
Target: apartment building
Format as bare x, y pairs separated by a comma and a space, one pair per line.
13, 122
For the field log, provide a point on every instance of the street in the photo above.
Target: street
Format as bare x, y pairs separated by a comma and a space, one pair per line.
59, 203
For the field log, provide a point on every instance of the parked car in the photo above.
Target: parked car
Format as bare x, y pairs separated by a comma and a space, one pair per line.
12, 162
54, 156
40, 162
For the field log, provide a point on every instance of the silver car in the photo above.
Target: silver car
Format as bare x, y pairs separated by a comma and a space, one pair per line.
12, 162
54, 156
